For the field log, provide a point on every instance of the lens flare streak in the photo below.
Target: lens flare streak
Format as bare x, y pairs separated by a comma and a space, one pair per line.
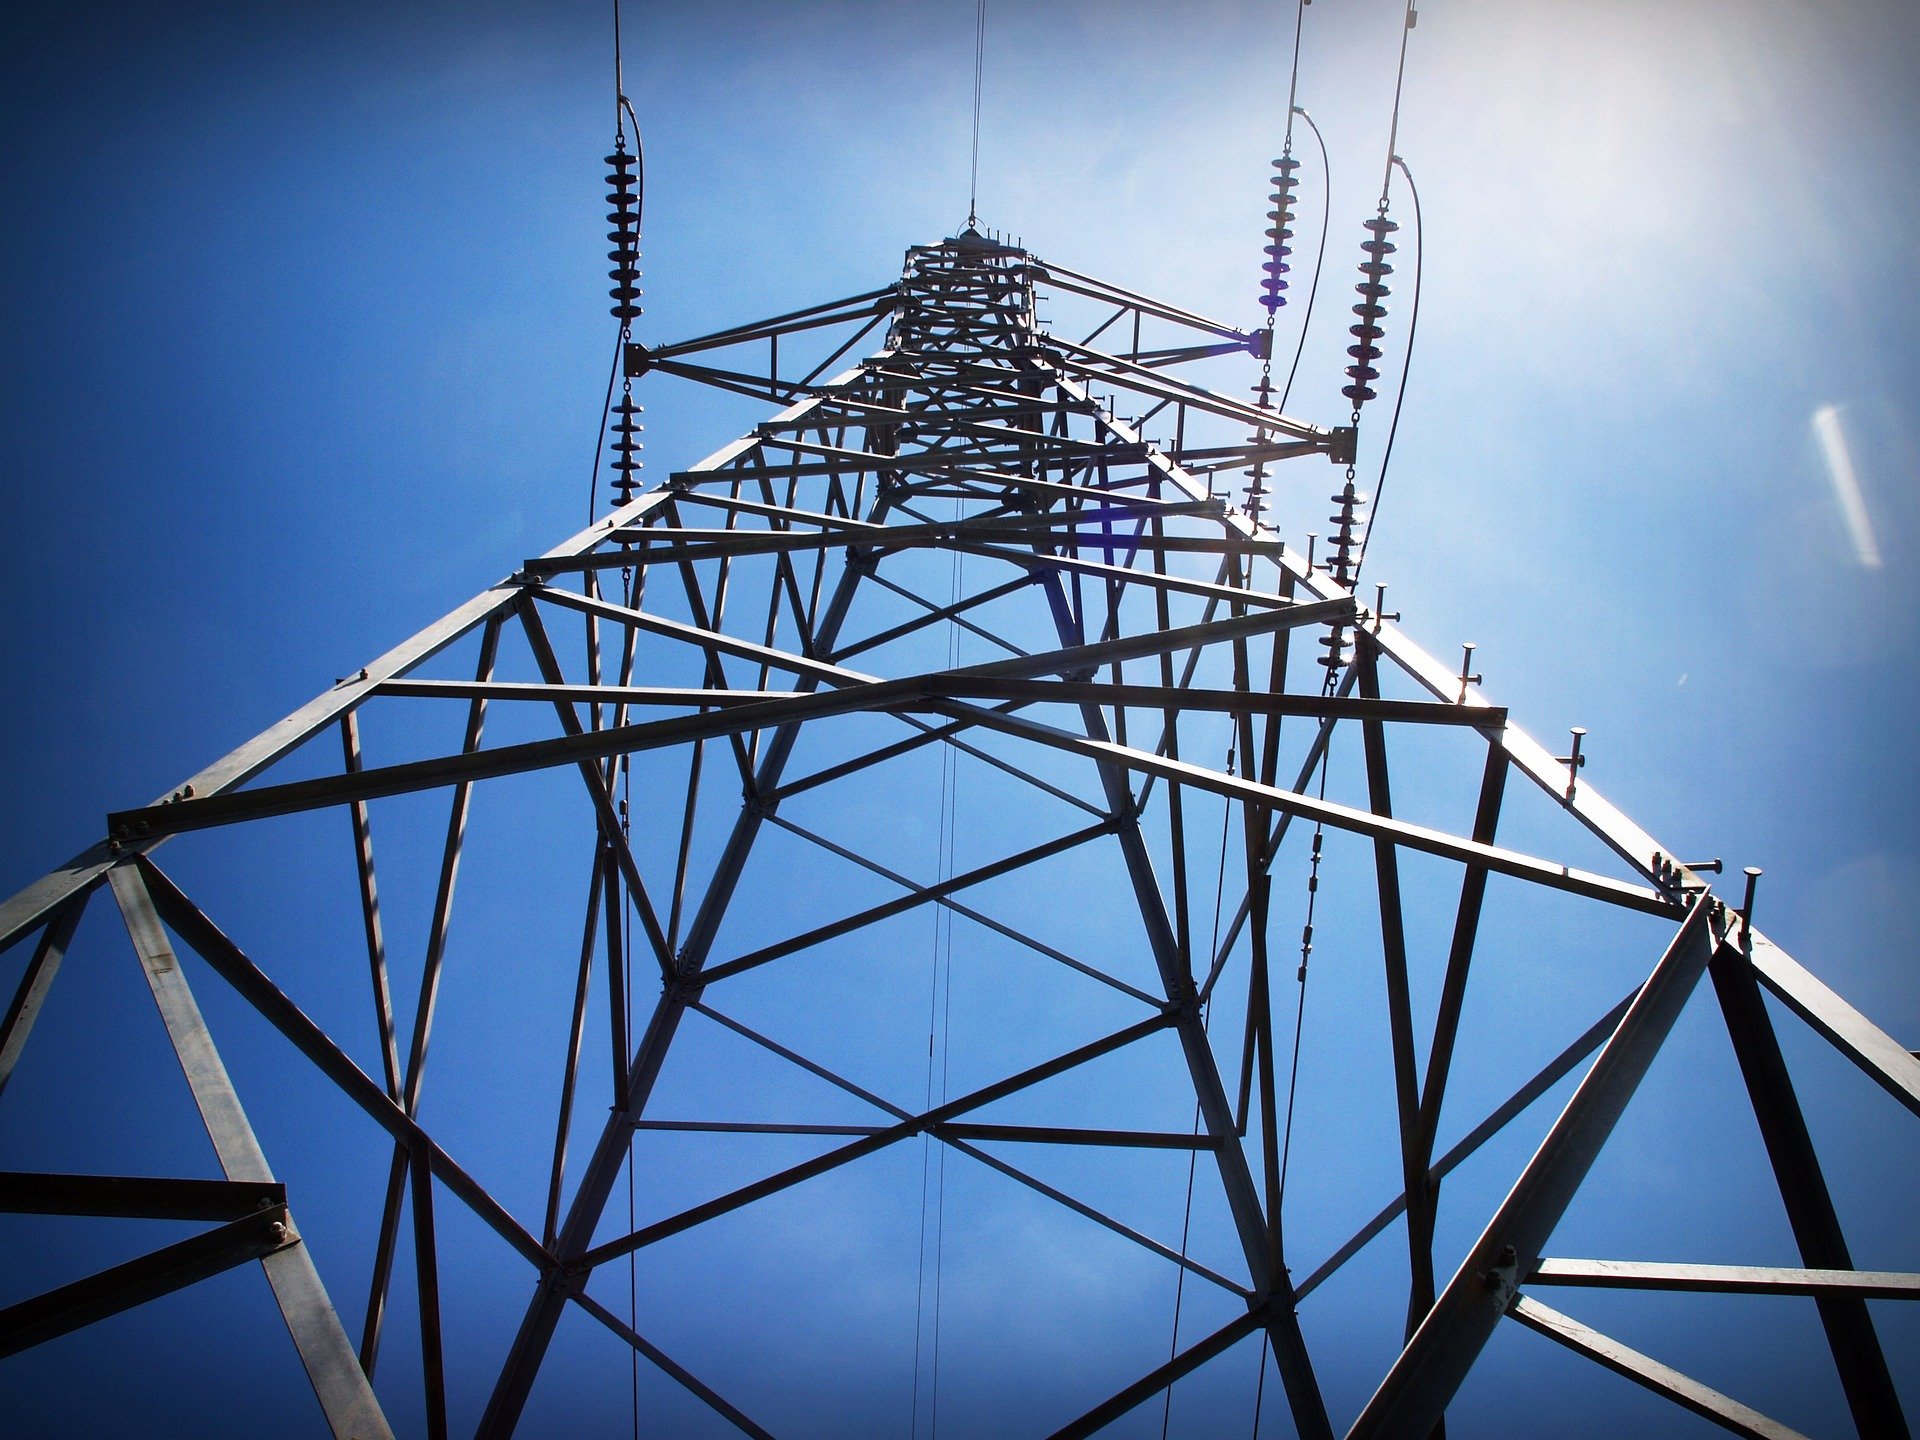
1846, 485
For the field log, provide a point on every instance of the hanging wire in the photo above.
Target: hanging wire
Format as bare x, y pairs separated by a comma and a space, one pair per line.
1320, 255
1300, 1008
1260, 1389
626, 966
979, 71
951, 806
1193, 1155
933, 1173
1393, 128
626, 258
1406, 364
1278, 250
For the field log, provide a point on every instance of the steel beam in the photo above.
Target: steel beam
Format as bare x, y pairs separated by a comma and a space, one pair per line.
1414, 1396
332, 1367
1511, 1109
141, 1196
1803, 1187
1642, 1370
36, 984
1341, 817
1725, 1279
1884, 1060
1258, 1233
254, 1236
233, 966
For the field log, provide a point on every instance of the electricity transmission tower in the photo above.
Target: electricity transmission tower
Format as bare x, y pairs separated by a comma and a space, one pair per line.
948, 647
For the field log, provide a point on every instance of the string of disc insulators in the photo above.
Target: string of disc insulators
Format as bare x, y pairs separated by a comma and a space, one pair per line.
624, 216
1272, 285
1279, 233
1343, 548
1373, 291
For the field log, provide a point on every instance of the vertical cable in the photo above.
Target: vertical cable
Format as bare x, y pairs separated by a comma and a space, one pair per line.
1393, 129
950, 806
620, 107
933, 1174
1193, 1155
979, 69
1406, 363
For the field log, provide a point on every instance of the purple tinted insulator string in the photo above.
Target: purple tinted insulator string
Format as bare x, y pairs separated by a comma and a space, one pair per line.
1278, 248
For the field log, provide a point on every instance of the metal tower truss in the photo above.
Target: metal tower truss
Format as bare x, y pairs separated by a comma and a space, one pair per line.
906, 812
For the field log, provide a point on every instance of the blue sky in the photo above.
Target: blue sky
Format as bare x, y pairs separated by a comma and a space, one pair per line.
303, 333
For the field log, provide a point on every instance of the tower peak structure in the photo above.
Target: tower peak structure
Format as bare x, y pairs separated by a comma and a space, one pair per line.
903, 813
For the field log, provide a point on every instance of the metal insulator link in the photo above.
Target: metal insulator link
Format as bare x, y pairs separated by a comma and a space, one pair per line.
1373, 291
1342, 560
1256, 477
626, 449
1334, 642
1313, 887
1345, 542
624, 217
1279, 232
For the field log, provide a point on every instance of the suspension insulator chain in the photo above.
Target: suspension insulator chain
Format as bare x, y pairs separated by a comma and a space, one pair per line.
1373, 291
1343, 552
1257, 476
1343, 549
1279, 233
624, 217
1275, 267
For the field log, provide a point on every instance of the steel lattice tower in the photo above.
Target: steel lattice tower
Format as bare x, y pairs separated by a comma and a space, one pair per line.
794, 621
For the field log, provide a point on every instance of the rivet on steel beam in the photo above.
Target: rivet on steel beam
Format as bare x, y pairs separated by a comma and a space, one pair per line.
1467, 677
1753, 873
1709, 867
1576, 762
1312, 539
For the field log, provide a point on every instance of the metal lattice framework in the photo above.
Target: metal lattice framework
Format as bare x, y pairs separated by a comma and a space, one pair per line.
788, 626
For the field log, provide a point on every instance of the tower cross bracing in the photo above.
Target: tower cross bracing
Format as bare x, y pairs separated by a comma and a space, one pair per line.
946, 593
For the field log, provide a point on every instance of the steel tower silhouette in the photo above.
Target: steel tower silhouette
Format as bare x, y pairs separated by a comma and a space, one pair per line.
947, 597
